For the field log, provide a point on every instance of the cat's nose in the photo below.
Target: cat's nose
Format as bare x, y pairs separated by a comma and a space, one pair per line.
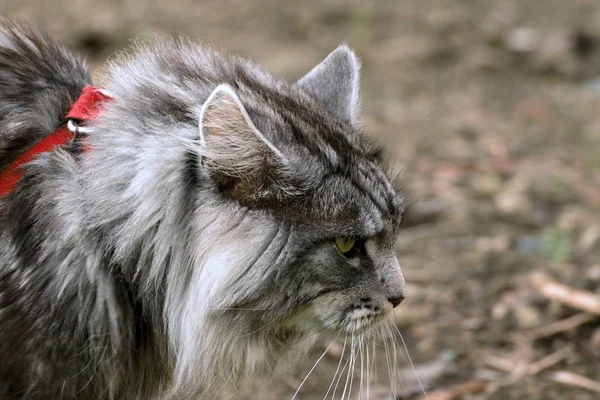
396, 300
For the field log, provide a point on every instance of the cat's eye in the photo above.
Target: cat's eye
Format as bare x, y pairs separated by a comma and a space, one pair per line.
344, 245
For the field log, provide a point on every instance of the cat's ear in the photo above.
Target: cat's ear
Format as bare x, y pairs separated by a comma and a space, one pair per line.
334, 83
238, 157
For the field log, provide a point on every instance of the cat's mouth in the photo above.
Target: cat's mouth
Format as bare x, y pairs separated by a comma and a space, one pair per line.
339, 314
359, 320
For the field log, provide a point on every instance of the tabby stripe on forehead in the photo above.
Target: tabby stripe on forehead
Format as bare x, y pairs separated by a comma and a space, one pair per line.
308, 143
367, 193
323, 141
277, 102
383, 201
328, 143
291, 118
314, 148
383, 177
384, 181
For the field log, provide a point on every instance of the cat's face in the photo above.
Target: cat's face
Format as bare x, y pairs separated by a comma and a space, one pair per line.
348, 267
307, 167
365, 283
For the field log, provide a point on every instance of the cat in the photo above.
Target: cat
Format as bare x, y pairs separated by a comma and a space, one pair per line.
210, 223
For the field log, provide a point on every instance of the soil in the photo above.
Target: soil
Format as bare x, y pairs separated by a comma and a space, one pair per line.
491, 110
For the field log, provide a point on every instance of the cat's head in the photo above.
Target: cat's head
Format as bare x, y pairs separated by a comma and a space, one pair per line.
296, 159
256, 211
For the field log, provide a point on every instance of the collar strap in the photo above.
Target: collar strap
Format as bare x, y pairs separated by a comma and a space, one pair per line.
86, 108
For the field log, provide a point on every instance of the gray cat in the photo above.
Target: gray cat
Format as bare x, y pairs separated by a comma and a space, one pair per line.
219, 219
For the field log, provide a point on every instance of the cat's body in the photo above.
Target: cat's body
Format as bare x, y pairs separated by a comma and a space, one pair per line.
192, 244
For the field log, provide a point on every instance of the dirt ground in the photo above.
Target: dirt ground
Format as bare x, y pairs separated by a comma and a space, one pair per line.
492, 110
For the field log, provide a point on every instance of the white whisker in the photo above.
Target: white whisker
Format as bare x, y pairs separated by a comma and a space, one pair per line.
313, 367
411, 363
387, 359
339, 378
360, 351
350, 368
338, 368
353, 368
368, 372
374, 348
395, 372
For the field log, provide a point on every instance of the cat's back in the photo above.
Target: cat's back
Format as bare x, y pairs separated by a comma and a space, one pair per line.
39, 80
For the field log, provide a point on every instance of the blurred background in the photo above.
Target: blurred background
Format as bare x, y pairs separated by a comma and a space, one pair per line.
492, 109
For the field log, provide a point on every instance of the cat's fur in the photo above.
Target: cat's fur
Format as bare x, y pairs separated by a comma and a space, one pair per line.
192, 246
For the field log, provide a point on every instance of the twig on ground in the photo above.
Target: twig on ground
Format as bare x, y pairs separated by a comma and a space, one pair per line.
560, 326
548, 361
456, 391
571, 379
576, 298
520, 368
499, 363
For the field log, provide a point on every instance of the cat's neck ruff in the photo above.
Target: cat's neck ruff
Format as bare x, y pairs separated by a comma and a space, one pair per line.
86, 108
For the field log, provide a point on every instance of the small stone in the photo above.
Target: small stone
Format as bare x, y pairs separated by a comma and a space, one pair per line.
497, 244
593, 273
589, 238
527, 317
486, 185
522, 40
571, 218
502, 308
515, 201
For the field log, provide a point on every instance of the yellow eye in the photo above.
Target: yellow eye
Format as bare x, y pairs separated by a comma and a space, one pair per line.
344, 245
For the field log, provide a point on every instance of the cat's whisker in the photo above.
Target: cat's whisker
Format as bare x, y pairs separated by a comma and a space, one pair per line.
340, 377
338, 367
387, 358
412, 365
350, 367
313, 367
360, 363
373, 363
395, 373
357, 348
388, 355
367, 371
360, 349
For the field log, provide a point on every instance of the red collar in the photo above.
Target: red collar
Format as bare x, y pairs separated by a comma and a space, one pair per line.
86, 108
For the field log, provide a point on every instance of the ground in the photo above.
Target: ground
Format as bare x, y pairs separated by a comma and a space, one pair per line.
491, 110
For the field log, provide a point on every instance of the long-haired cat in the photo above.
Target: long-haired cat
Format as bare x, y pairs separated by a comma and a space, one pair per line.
212, 219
